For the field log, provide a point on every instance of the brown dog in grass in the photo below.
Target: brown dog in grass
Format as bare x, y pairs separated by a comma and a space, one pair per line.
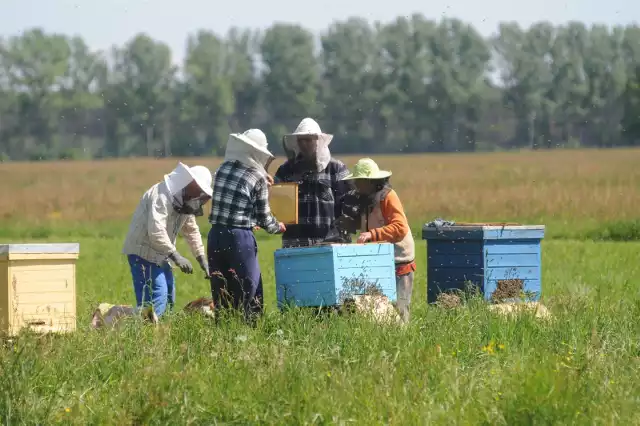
203, 305
108, 315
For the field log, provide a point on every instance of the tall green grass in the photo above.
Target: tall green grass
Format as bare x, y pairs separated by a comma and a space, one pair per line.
463, 366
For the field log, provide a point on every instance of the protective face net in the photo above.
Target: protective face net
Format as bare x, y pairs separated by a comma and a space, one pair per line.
322, 153
193, 206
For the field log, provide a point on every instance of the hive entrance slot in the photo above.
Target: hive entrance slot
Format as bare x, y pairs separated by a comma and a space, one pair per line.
36, 322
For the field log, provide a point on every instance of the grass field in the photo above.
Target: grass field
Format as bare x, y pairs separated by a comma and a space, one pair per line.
465, 366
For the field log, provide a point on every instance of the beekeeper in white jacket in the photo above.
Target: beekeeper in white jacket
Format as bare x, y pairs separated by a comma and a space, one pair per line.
168, 207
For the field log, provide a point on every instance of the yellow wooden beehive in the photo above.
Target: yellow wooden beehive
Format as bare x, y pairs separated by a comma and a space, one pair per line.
38, 287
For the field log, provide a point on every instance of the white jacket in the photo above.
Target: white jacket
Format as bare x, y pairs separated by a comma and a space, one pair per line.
155, 226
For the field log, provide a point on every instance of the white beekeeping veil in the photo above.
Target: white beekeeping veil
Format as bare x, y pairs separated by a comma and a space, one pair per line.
308, 127
250, 148
182, 176
178, 180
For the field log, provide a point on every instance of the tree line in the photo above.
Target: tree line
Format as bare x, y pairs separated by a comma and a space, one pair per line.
410, 85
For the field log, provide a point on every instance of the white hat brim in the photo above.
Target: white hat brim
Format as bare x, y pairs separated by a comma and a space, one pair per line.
179, 178
207, 189
242, 138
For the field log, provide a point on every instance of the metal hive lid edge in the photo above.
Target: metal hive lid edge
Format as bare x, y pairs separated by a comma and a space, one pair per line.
426, 228
40, 248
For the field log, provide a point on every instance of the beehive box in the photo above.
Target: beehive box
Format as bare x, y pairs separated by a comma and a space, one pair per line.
502, 258
283, 200
38, 287
326, 275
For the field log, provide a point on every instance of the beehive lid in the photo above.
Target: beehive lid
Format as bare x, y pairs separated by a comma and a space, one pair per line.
6, 250
372, 247
482, 230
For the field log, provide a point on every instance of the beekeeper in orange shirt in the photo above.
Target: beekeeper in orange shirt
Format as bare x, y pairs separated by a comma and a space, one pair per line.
382, 219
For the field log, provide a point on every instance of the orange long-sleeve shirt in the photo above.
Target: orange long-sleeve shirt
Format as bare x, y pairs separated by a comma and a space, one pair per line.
395, 229
396, 226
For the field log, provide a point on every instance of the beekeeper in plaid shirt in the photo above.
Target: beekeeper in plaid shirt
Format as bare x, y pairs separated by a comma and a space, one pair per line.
240, 201
166, 209
320, 184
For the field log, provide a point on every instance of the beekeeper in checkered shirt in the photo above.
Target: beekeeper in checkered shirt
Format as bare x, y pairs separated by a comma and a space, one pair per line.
240, 201
320, 186
166, 209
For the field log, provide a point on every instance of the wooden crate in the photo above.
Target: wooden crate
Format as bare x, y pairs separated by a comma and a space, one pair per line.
38, 287
326, 275
283, 200
488, 256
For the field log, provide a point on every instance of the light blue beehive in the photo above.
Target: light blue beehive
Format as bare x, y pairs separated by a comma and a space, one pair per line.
483, 255
318, 276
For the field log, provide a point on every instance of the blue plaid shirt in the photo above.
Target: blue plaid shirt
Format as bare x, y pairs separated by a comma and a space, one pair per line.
241, 198
319, 200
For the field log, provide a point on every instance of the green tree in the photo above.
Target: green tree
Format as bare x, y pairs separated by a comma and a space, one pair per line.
460, 65
409, 85
631, 119
290, 79
404, 82
82, 101
350, 64
564, 97
243, 49
606, 74
139, 98
523, 56
209, 93
34, 66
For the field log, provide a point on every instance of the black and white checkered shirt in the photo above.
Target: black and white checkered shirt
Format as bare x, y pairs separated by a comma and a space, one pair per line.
241, 198
319, 200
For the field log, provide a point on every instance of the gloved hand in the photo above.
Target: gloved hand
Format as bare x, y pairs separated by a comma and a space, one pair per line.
181, 262
202, 260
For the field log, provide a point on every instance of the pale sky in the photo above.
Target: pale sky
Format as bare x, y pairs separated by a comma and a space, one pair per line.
103, 23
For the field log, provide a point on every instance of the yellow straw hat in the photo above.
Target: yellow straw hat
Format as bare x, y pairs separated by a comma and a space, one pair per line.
366, 168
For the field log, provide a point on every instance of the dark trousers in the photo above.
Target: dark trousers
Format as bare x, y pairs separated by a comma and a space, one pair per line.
236, 281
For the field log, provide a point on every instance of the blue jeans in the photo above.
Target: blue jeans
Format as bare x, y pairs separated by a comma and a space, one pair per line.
236, 281
153, 284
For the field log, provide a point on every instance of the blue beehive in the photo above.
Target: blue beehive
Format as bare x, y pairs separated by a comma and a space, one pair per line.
487, 256
322, 275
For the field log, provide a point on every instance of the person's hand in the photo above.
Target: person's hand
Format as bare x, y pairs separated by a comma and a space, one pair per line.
256, 228
181, 262
202, 260
282, 227
364, 237
269, 180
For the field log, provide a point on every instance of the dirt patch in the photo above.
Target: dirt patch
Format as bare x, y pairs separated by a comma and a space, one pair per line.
448, 300
507, 289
